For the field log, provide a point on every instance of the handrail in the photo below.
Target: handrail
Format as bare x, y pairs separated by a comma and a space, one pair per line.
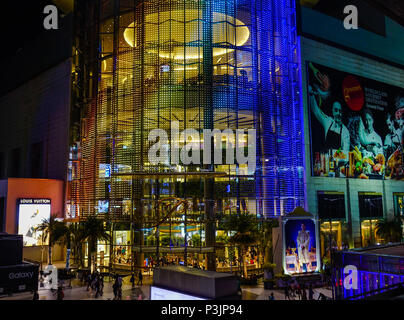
374, 292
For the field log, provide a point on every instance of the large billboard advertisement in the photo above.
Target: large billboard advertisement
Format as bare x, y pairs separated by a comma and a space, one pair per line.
300, 246
357, 125
31, 213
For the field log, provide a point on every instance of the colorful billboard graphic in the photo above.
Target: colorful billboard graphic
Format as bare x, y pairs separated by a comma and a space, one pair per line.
31, 213
300, 246
357, 125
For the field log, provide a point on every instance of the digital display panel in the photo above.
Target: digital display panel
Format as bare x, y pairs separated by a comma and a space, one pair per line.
31, 213
164, 294
357, 125
300, 246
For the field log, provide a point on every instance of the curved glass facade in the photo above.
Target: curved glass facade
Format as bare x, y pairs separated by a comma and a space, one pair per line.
203, 64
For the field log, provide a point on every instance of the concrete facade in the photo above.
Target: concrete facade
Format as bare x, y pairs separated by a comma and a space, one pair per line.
343, 60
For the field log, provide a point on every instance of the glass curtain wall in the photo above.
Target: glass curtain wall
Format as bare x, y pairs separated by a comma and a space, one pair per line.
195, 64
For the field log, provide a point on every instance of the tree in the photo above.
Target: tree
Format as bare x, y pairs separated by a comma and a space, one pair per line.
245, 227
73, 238
265, 237
52, 230
77, 237
94, 231
390, 230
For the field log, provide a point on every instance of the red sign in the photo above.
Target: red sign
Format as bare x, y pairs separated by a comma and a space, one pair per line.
353, 93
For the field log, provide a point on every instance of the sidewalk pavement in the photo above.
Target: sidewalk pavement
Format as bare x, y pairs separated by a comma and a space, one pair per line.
262, 294
79, 291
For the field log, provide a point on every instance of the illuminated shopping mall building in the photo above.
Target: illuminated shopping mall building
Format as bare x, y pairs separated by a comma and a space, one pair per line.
205, 64
78, 132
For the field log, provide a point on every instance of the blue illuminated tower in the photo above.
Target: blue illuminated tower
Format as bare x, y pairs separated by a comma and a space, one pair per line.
207, 64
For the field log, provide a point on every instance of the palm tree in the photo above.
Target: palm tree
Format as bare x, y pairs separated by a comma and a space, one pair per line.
265, 237
390, 230
94, 231
52, 230
246, 233
72, 238
76, 238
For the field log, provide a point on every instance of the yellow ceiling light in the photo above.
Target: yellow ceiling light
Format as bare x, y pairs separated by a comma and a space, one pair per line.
170, 31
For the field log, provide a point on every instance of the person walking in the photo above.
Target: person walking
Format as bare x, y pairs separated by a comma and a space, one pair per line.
119, 280
101, 285
287, 297
60, 294
291, 291
304, 294
271, 297
132, 280
311, 292
298, 292
140, 278
88, 279
97, 287
115, 288
120, 292
36, 295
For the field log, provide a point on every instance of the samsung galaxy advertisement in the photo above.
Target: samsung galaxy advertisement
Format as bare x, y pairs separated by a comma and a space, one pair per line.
300, 246
357, 125
31, 213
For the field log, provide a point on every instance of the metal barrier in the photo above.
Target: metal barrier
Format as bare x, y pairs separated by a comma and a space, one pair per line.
397, 288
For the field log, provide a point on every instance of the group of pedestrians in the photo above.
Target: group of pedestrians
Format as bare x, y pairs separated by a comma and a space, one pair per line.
95, 282
139, 281
295, 291
117, 287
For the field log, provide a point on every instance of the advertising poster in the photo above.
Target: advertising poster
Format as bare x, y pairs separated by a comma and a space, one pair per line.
357, 125
31, 213
300, 246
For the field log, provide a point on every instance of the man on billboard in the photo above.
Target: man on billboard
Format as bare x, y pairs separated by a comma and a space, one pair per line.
400, 117
336, 133
392, 139
303, 243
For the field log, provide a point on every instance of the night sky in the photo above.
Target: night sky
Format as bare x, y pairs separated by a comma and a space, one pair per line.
20, 22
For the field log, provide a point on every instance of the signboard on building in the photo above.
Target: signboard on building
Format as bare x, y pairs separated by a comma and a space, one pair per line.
18, 278
31, 213
357, 125
300, 246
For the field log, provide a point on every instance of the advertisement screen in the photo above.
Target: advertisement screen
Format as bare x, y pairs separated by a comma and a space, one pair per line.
164, 294
357, 125
31, 213
300, 246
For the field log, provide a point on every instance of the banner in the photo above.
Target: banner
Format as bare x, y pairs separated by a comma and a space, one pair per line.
356, 124
300, 246
31, 213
